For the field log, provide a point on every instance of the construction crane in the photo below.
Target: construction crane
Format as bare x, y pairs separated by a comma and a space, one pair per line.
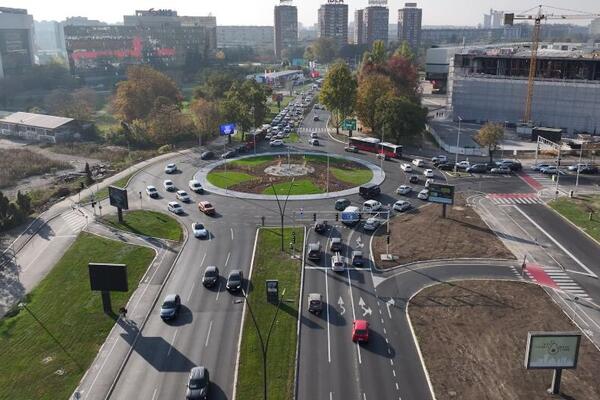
537, 18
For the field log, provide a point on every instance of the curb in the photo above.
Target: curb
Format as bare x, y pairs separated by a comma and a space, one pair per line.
329, 134
573, 224
299, 325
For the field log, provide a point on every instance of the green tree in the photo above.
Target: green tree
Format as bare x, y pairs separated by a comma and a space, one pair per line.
166, 124
88, 174
401, 118
206, 117
338, 93
24, 203
309, 53
370, 89
325, 49
404, 51
378, 53
490, 135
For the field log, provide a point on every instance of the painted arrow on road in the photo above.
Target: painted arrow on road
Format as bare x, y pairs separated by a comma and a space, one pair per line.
341, 304
359, 244
389, 303
366, 310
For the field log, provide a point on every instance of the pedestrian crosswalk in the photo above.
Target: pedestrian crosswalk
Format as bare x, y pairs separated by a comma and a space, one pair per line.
514, 198
75, 219
309, 130
563, 281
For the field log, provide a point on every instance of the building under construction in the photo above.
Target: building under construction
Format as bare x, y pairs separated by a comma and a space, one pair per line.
491, 85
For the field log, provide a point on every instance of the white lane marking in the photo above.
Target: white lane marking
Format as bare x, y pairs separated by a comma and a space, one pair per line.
191, 291
391, 362
341, 304
390, 302
172, 342
567, 252
366, 310
394, 372
231, 229
330, 396
154, 394
397, 387
227, 260
353, 313
364, 396
384, 331
208, 334
327, 309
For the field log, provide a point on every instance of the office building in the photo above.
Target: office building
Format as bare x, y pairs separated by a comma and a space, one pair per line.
17, 49
595, 28
409, 25
82, 21
358, 34
257, 37
375, 24
39, 127
333, 22
49, 41
286, 27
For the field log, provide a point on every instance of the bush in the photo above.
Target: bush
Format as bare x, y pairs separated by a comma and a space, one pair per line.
16, 164
165, 149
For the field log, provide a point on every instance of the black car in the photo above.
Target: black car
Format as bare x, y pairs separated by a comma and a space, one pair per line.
207, 155
369, 190
477, 168
588, 169
198, 384
336, 244
321, 226
234, 280
515, 166
357, 259
341, 204
445, 166
228, 154
211, 276
414, 179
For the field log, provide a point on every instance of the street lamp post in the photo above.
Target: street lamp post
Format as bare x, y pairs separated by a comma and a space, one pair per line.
282, 209
457, 144
579, 164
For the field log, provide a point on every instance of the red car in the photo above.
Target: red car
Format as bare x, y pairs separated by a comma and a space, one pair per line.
360, 331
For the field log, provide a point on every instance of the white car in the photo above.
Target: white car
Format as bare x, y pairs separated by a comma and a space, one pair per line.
151, 191
195, 186
406, 167
199, 230
170, 168
439, 159
371, 224
404, 189
314, 135
276, 142
314, 142
169, 185
577, 166
401, 205
337, 263
371, 205
183, 196
428, 182
423, 194
428, 173
175, 207
417, 162
463, 164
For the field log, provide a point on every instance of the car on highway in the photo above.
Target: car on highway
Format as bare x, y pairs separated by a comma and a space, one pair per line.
276, 143
428, 173
357, 258
577, 166
423, 194
206, 207
406, 167
195, 186
183, 196
228, 154
512, 164
210, 276
341, 204
476, 169
428, 182
371, 205
500, 170
234, 280
316, 118
445, 167
315, 303
335, 244
314, 135
198, 384
321, 226
199, 230
351, 149
439, 159
169, 185
590, 169
207, 155
175, 207
537, 167
314, 251
402, 205
360, 330
371, 224
551, 170
314, 142
414, 179
151, 192
382, 156
369, 190
418, 162
464, 164
170, 168
404, 190
337, 263
170, 307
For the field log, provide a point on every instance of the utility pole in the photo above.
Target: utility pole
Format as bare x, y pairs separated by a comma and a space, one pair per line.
579, 164
282, 209
457, 144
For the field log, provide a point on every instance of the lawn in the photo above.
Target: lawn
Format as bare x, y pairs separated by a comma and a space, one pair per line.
103, 193
300, 186
32, 365
293, 138
147, 223
578, 209
354, 176
323, 159
224, 179
270, 263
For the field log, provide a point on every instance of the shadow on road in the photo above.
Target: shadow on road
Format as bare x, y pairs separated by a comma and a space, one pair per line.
378, 346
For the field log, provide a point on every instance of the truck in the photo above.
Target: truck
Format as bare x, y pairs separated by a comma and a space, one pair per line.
350, 215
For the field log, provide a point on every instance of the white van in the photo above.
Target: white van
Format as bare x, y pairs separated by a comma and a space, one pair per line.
417, 162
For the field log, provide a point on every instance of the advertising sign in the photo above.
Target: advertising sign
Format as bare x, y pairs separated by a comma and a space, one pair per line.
552, 350
108, 277
118, 197
441, 193
272, 286
227, 129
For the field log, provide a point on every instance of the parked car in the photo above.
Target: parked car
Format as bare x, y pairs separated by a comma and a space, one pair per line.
170, 307
371, 205
198, 384
357, 258
175, 207
401, 205
207, 155
314, 142
445, 167
234, 280
537, 167
477, 169
439, 159
335, 244
206, 207
341, 204
404, 189
228, 154
195, 186
371, 224
417, 162
151, 192
500, 170
211, 276
199, 230
360, 330
276, 143
315, 303
463, 164
406, 167
351, 149
414, 179
423, 194
321, 226
428, 173
169, 185
337, 263
589, 170
551, 170
183, 196
577, 166
170, 168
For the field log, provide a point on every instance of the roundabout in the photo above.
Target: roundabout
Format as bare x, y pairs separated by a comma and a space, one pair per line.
305, 176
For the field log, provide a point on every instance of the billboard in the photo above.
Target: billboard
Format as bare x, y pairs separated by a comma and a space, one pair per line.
552, 350
108, 277
227, 129
118, 197
441, 193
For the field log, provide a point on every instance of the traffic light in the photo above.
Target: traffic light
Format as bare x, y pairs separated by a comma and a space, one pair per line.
337, 217
387, 239
315, 217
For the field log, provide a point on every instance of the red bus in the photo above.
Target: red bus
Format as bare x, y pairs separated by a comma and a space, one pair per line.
374, 145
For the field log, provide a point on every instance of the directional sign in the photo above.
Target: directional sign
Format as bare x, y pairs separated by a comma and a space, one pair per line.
349, 124
366, 310
389, 303
227, 129
341, 304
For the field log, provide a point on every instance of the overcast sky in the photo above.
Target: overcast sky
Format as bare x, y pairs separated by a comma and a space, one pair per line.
260, 12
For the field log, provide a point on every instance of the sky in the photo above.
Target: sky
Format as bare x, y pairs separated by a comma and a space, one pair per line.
260, 12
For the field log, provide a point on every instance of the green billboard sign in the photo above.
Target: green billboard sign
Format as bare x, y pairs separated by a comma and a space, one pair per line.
349, 124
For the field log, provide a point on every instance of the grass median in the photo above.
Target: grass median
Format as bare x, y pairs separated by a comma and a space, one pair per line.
583, 211
32, 365
147, 223
225, 180
270, 263
300, 186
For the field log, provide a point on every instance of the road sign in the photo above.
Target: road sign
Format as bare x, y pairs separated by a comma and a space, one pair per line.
272, 286
441, 193
552, 350
349, 124
227, 129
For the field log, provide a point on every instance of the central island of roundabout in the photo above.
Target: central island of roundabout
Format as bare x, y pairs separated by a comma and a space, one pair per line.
305, 176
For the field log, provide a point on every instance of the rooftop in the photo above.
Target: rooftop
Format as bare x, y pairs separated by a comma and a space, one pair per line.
37, 120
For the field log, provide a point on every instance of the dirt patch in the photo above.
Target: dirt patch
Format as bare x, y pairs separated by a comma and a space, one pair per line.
424, 235
473, 334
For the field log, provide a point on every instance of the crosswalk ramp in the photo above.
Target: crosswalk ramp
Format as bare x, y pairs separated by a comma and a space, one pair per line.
555, 278
514, 198
75, 219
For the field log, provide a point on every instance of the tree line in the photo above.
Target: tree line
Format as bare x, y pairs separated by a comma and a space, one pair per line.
14, 213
